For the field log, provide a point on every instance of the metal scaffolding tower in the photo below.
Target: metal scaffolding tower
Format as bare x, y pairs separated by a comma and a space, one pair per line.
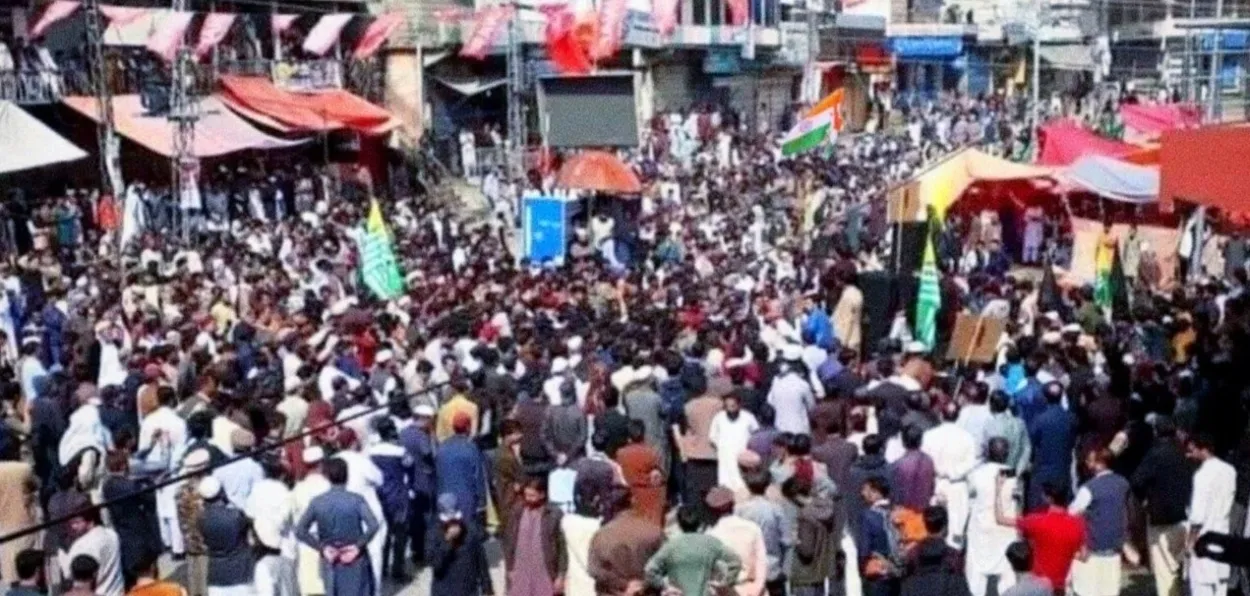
183, 112
106, 136
517, 134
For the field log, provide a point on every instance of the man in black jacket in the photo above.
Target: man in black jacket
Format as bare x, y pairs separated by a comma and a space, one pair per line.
933, 568
1163, 481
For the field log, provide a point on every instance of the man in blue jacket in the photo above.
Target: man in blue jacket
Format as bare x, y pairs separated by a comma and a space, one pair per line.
460, 469
1053, 435
418, 442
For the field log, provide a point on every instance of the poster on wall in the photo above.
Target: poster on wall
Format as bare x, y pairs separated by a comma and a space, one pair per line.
545, 229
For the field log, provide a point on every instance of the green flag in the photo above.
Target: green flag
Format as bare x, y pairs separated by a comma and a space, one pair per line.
929, 296
378, 267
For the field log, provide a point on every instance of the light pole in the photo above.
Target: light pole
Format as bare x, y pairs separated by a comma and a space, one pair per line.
1213, 78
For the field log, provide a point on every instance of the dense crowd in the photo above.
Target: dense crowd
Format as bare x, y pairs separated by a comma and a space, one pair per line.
689, 403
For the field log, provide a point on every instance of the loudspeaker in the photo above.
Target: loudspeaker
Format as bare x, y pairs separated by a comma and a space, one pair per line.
880, 305
908, 246
885, 294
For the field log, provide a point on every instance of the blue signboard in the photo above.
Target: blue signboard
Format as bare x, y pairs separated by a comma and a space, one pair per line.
927, 47
545, 229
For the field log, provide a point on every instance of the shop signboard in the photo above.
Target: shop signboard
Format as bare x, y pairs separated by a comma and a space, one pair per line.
927, 47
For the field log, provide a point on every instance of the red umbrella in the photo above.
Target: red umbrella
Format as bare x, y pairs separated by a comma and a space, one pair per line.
598, 170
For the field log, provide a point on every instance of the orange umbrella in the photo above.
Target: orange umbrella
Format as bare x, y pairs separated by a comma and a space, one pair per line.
598, 170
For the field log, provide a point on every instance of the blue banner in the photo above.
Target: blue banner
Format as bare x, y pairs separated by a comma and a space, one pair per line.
927, 47
1229, 40
545, 229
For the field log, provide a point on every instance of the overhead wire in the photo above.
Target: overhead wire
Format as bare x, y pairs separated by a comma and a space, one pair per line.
179, 477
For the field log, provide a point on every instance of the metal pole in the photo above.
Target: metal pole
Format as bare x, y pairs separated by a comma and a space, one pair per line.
811, 89
1037, 76
516, 140
106, 136
184, 112
1213, 102
1191, 88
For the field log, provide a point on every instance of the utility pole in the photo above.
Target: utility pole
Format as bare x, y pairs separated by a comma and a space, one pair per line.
1036, 91
517, 134
183, 112
1035, 96
812, 89
106, 136
1191, 88
1213, 102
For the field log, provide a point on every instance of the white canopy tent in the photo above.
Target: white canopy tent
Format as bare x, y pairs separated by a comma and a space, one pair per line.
27, 143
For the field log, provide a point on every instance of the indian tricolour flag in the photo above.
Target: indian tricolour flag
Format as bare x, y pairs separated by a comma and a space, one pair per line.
821, 124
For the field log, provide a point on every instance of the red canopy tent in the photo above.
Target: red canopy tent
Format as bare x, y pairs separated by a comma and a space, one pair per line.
1063, 142
1206, 166
288, 111
1157, 118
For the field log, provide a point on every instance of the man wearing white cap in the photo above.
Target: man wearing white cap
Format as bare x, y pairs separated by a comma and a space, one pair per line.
383, 379
314, 484
418, 442
230, 565
791, 395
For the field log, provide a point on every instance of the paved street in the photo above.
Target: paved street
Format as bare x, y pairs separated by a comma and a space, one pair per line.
1137, 582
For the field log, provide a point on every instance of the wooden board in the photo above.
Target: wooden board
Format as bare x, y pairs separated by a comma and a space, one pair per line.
975, 338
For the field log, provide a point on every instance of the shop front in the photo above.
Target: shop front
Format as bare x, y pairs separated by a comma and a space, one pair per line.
927, 65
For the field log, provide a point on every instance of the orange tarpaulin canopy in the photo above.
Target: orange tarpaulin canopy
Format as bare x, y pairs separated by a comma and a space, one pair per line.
259, 99
1206, 166
598, 170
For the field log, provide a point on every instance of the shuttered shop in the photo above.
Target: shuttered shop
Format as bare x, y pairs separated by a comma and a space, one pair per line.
674, 86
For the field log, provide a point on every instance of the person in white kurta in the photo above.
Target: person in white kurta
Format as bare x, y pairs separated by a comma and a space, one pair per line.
954, 453
163, 441
1210, 506
730, 432
578, 530
308, 559
987, 539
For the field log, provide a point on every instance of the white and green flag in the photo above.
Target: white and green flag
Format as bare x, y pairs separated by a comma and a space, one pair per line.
929, 296
378, 268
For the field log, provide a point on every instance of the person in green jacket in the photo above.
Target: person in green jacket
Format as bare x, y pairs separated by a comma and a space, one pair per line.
691, 562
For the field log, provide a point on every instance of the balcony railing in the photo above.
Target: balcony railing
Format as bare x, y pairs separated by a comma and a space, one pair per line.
31, 88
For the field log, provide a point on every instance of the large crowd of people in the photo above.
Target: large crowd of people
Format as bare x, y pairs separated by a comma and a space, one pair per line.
690, 403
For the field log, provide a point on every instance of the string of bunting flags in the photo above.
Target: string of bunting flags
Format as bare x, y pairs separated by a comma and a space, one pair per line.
170, 28
575, 39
